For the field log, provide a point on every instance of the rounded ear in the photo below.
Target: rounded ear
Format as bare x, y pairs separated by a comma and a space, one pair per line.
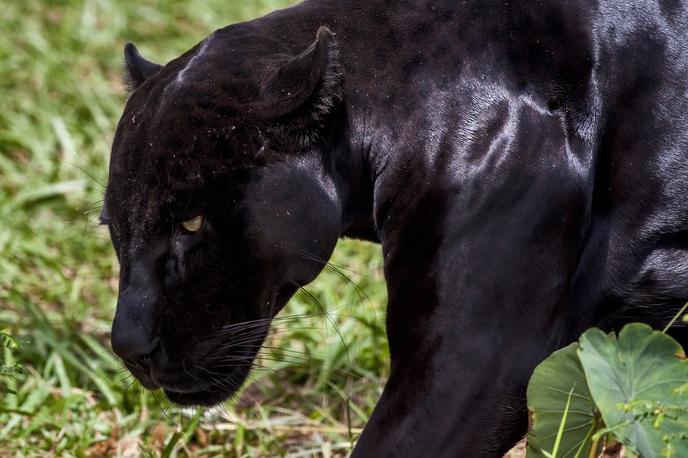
311, 77
137, 68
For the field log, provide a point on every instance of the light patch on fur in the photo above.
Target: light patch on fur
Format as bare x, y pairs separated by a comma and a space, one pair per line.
182, 72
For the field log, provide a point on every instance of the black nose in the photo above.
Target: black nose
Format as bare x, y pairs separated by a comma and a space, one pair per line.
132, 343
134, 337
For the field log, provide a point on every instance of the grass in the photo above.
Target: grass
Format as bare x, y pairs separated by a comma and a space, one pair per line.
61, 96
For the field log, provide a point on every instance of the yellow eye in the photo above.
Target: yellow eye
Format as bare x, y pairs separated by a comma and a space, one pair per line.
193, 224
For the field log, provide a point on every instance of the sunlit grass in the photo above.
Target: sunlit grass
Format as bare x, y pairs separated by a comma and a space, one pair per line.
61, 96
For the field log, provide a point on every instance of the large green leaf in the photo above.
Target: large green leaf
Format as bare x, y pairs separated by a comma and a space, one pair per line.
548, 392
634, 382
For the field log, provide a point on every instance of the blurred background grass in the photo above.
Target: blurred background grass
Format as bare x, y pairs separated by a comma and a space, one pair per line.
62, 392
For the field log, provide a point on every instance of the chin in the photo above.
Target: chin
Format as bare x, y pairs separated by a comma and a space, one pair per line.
204, 386
207, 393
198, 398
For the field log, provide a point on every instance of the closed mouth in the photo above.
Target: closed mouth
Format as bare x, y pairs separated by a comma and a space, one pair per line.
180, 389
196, 398
182, 392
144, 379
185, 395
207, 394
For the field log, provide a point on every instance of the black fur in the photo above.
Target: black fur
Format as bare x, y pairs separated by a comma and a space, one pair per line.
523, 164
137, 68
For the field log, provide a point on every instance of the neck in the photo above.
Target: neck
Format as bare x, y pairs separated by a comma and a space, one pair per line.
354, 179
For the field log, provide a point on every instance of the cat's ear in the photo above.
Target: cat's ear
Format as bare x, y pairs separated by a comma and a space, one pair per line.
137, 68
308, 83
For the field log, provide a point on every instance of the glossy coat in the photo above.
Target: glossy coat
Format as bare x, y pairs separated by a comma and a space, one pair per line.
524, 165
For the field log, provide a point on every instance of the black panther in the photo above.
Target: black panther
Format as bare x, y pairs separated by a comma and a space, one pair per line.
523, 164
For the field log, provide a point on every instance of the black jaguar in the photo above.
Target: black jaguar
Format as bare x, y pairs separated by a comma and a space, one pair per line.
523, 163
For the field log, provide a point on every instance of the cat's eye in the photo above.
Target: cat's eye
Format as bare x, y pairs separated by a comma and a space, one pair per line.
193, 224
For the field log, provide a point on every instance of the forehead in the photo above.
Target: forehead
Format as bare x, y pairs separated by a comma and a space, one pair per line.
160, 166
147, 199
181, 130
